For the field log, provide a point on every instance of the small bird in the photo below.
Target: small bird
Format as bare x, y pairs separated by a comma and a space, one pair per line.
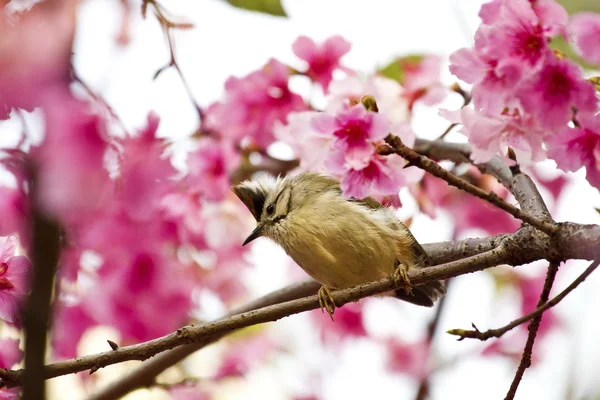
339, 242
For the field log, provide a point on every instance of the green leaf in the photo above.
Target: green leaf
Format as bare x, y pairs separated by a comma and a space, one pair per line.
395, 69
272, 7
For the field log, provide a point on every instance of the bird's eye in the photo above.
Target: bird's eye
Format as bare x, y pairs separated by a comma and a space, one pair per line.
270, 209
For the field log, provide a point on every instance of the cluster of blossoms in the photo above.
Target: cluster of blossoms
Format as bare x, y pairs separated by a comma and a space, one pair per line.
142, 241
526, 95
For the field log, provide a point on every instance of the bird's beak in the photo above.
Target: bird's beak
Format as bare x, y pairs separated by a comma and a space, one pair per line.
257, 232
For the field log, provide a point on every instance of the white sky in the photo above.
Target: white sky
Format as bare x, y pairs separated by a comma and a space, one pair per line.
228, 41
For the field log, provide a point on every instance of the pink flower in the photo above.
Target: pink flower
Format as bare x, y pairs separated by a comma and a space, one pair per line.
72, 178
354, 130
145, 172
492, 135
586, 31
10, 354
383, 174
322, 60
422, 80
35, 53
14, 280
407, 358
146, 295
181, 218
225, 225
70, 323
210, 167
390, 96
253, 104
573, 148
309, 146
530, 289
551, 94
348, 322
14, 209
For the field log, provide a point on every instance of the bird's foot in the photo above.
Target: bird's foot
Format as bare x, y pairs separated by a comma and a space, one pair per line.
326, 301
400, 277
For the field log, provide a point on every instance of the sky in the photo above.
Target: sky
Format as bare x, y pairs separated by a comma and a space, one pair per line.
228, 41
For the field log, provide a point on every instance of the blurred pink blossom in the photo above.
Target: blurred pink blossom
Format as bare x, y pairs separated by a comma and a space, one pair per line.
14, 209
551, 94
188, 392
245, 354
145, 172
14, 280
493, 135
422, 81
348, 322
586, 31
181, 218
146, 295
309, 146
322, 60
354, 131
72, 179
35, 53
577, 147
69, 325
10, 354
407, 358
210, 167
253, 104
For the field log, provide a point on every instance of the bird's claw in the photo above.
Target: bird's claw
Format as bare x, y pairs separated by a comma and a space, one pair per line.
326, 301
400, 277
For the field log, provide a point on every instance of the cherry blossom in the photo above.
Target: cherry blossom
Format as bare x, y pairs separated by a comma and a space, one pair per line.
210, 168
14, 280
354, 131
493, 135
552, 93
586, 31
578, 147
253, 104
322, 59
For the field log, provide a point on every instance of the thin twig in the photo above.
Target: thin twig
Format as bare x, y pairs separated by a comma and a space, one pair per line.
498, 332
427, 164
533, 327
45, 253
168, 26
193, 334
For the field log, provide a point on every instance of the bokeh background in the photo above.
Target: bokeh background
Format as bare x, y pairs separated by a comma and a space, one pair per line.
227, 41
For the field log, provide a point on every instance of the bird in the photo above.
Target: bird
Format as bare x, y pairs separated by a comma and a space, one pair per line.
340, 242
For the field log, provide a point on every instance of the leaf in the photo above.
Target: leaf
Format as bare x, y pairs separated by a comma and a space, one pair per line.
271, 7
395, 70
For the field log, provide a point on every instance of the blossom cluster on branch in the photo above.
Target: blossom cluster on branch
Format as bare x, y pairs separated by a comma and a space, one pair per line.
143, 244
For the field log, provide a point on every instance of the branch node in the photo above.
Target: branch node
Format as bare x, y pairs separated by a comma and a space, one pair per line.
113, 345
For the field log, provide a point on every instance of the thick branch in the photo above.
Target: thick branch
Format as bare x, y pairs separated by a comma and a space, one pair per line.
533, 328
498, 332
427, 164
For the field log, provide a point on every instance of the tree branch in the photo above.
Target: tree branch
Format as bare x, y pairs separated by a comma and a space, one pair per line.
427, 164
498, 332
45, 253
533, 327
